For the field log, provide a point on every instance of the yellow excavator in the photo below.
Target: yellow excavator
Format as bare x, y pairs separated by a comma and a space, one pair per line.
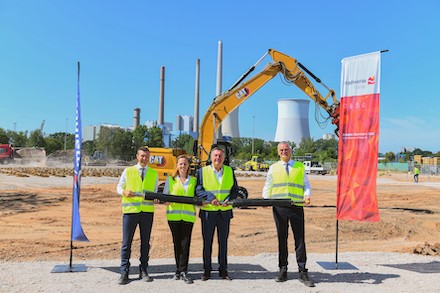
293, 72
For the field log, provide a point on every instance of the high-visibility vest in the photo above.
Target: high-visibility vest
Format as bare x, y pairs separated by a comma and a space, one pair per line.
181, 211
137, 204
220, 191
288, 186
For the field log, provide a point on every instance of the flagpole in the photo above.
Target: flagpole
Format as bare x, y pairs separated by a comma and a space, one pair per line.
337, 241
71, 250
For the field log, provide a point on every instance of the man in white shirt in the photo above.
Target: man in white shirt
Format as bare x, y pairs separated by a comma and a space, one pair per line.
137, 211
287, 179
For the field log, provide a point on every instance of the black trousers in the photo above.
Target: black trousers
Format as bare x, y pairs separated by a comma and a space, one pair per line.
210, 221
129, 224
295, 216
181, 232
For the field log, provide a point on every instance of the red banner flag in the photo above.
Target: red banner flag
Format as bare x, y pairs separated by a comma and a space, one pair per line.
358, 139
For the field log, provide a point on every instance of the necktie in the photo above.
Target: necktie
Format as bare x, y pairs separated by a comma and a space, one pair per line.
287, 169
142, 173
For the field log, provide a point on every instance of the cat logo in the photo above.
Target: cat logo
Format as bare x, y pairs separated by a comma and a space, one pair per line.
242, 93
159, 161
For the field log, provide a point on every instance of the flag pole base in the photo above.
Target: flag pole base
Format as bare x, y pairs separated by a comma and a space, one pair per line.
78, 268
329, 265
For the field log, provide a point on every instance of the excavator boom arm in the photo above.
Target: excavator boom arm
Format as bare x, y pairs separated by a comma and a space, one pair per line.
227, 102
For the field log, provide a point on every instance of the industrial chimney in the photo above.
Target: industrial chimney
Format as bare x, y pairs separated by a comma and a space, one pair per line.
160, 119
197, 98
293, 120
136, 117
229, 126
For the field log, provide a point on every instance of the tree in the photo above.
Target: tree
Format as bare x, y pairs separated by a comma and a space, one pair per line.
36, 139
89, 147
326, 150
62, 138
18, 138
52, 145
306, 146
390, 157
406, 157
122, 145
258, 146
4, 138
115, 143
104, 140
422, 153
185, 142
242, 147
140, 136
154, 137
271, 148
70, 142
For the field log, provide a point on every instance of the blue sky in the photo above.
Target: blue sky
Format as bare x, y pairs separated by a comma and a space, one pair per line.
122, 45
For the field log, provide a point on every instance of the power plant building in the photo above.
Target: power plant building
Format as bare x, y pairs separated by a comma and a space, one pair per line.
184, 123
293, 120
91, 132
328, 136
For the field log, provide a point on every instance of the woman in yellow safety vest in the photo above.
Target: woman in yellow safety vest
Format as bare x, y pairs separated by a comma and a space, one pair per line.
180, 216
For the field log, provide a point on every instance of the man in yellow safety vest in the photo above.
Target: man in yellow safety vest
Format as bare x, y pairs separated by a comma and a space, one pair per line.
137, 211
216, 183
416, 174
287, 179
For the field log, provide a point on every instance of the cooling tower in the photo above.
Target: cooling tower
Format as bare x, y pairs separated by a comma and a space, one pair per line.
293, 120
230, 125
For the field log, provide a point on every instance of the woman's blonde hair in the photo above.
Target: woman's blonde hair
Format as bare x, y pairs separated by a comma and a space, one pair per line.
176, 171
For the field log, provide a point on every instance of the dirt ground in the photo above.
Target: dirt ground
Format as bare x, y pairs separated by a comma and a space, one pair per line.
35, 220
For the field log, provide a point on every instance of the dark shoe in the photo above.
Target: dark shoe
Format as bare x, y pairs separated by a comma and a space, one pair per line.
282, 275
304, 278
186, 278
176, 276
224, 275
143, 275
206, 275
123, 279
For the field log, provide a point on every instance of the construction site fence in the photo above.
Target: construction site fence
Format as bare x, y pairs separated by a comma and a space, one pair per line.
409, 167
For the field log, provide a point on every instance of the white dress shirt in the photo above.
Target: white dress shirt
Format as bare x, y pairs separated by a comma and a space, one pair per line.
185, 184
269, 181
123, 179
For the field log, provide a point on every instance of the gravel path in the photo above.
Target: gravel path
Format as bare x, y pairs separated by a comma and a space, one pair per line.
370, 272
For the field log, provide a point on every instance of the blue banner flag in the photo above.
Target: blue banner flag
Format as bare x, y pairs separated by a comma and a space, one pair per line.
77, 231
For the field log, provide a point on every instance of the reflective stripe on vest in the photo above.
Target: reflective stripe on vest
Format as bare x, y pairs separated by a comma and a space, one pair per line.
134, 183
181, 211
220, 191
288, 186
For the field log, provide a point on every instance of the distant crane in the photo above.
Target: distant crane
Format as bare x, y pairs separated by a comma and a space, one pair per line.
41, 127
